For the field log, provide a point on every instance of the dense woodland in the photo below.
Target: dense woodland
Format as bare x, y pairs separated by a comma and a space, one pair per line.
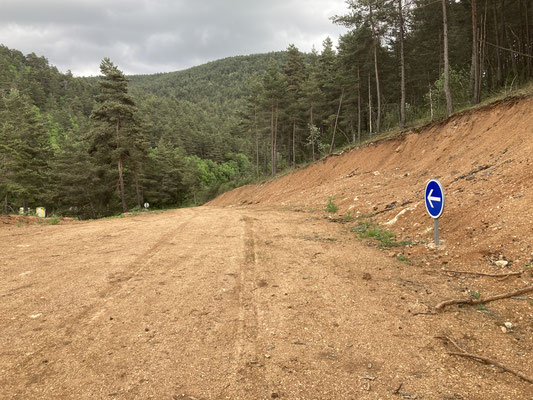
93, 147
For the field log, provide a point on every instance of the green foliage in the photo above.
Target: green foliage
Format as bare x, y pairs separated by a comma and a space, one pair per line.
348, 217
331, 207
186, 136
460, 87
475, 294
402, 258
368, 229
50, 221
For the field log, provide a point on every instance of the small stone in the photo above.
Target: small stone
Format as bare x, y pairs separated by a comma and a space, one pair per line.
274, 395
504, 329
501, 263
508, 325
366, 276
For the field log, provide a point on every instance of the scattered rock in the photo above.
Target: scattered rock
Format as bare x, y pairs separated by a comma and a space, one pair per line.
502, 263
366, 276
274, 395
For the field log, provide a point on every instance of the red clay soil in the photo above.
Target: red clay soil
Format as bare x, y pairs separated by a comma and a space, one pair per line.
483, 159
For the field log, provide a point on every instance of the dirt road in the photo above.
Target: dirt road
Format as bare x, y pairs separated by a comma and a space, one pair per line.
235, 303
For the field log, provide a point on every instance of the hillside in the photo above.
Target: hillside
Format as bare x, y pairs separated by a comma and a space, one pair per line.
219, 81
262, 294
482, 158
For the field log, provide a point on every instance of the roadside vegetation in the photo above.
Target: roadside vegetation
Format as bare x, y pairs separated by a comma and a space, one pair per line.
185, 137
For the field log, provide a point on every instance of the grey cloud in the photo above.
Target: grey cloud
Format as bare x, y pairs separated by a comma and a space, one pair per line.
147, 36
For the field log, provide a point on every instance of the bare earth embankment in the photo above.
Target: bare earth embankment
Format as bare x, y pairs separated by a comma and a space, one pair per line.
262, 295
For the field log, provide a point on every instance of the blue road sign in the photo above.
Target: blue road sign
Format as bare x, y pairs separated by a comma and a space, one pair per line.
434, 198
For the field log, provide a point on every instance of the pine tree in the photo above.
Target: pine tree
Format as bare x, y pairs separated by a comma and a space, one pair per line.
24, 151
113, 115
294, 71
275, 89
449, 103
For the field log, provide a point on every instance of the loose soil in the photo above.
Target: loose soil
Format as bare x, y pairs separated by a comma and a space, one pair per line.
262, 294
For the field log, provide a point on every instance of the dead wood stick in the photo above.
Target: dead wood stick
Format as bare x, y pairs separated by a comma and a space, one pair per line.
462, 353
490, 361
484, 274
486, 300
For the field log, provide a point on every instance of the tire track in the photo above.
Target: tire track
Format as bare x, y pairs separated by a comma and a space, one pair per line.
97, 308
249, 367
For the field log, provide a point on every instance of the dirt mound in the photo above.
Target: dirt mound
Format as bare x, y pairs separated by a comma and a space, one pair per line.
23, 220
484, 160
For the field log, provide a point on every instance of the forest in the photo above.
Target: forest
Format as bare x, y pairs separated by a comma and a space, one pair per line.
96, 147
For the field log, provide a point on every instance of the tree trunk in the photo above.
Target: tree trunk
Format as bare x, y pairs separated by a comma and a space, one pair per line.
336, 122
402, 66
378, 91
528, 39
272, 144
256, 143
358, 106
137, 186
275, 159
482, 51
369, 106
121, 185
120, 174
430, 103
311, 128
294, 143
475, 75
265, 157
499, 75
449, 104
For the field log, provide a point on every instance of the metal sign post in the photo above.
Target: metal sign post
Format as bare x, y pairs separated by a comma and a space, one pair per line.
434, 199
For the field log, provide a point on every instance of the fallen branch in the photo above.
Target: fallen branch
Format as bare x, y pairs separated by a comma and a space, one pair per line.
462, 353
486, 300
484, 274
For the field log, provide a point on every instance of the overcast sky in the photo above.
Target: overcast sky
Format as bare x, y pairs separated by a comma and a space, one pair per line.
148, 36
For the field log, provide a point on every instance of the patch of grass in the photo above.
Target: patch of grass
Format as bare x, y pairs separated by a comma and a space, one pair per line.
367, 229
50, 221
481, 307
402, 258
475, 294
527, 266
331, 207
348, 217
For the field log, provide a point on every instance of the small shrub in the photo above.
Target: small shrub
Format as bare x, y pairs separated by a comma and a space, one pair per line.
367, 229
347, 217
475, 294
331, 207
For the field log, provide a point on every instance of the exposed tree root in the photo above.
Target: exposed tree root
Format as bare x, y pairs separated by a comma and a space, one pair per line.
484, 274
462, 353
486, 300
